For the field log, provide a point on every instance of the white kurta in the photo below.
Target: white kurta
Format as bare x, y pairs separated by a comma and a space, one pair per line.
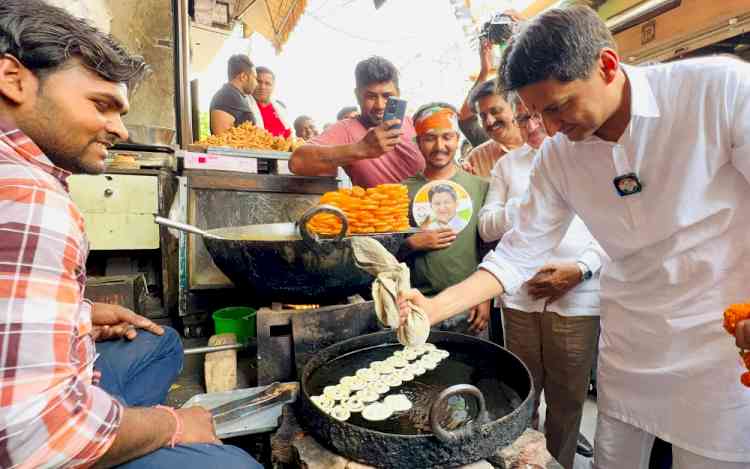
680, 250
509, 180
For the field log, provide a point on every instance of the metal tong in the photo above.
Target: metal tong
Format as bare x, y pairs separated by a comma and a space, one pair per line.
261, 400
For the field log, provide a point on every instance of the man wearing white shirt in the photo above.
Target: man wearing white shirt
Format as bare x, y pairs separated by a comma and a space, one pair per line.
679, 133
552, 323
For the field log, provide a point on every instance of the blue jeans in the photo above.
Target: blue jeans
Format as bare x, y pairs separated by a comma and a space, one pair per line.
139, 373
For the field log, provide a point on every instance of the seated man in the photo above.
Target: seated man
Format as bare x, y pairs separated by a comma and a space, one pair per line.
370, 150
230, 106
563, 296
269, 113
497, 120
61, 104
304, 128
446, 203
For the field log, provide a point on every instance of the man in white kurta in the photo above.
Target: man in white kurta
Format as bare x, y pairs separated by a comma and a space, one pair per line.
679, 248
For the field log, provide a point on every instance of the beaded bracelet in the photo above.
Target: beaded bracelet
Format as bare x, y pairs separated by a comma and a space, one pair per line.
178, 421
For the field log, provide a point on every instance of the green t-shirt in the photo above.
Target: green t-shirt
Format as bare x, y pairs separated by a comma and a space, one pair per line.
434, 271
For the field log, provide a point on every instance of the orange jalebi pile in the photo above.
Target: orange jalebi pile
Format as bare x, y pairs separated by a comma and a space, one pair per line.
380, 209
732, 316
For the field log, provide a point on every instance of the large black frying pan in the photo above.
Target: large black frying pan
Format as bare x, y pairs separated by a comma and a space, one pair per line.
492, 383
284, 261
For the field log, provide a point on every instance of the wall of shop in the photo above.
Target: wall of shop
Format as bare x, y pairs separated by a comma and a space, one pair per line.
145, 28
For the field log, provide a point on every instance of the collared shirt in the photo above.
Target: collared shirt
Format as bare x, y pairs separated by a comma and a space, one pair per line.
51, 415
509, 182
404, 161
272, 122
679, 250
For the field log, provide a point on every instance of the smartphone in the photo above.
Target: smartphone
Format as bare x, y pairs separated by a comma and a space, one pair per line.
395, 108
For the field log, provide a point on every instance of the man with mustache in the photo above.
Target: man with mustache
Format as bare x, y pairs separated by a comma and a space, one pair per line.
270, 113
371, 151
497, 120
81, 383
441, 256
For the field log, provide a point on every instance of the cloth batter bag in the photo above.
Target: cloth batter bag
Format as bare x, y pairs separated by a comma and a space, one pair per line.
391, 277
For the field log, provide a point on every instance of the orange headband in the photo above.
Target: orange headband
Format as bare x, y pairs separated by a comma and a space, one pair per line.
437, 118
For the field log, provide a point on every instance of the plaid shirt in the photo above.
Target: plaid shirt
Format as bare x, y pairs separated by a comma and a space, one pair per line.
51, 414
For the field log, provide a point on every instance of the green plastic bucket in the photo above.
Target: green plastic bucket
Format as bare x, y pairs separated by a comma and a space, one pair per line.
237, 319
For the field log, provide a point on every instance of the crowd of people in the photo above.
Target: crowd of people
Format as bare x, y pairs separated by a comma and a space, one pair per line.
598, 199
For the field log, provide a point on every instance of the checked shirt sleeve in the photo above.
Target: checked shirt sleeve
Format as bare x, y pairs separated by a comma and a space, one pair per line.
50, 413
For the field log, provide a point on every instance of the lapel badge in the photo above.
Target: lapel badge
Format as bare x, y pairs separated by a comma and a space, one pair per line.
627, 184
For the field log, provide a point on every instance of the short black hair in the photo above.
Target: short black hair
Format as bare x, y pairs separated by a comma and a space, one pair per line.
561, 44
299, 122
261, 69
239, 63
375, 70
442, 189
488, 88
424, 108
346, 110
45, 38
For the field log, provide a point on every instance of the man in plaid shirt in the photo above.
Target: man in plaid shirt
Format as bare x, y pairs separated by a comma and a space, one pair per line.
77, 381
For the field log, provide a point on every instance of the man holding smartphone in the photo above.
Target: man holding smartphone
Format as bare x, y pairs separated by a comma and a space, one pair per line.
370, 149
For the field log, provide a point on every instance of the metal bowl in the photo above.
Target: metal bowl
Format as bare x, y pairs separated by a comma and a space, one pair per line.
150, 135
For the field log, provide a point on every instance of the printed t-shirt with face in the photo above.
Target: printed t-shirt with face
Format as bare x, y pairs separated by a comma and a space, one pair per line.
394, 166
434, 271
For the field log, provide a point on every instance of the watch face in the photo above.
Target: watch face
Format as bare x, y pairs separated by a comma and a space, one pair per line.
627, 184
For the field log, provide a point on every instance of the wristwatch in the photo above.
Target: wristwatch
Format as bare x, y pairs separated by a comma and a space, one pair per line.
586, 273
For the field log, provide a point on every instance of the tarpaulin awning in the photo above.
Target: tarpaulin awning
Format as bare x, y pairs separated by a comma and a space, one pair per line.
273, 19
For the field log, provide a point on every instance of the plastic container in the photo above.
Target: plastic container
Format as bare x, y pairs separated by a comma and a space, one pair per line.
237, 319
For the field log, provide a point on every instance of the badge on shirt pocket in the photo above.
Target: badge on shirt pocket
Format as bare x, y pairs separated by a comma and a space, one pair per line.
627, 184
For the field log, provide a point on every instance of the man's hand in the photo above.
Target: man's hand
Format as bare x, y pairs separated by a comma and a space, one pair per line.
554, 280
431, 240
485, 58
380, 140
742, 334
197, 426
114, 322
416, 298
468, 166
479, 317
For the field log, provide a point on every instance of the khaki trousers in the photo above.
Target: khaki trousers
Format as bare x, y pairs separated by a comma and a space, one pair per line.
559, 352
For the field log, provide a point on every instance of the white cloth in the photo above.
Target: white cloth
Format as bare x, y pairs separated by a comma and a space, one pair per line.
679, 250
619, 445
277, 106
509, 180
391, 278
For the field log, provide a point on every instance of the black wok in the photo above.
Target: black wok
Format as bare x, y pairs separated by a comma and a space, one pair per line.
284, 261
493, 383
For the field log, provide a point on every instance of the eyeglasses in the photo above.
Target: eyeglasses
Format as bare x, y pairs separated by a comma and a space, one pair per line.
524, 119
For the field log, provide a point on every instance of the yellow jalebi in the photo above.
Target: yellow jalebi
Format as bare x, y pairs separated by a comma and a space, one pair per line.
249, 137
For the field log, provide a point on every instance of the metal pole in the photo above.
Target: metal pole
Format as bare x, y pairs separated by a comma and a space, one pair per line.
214, 348
181, 23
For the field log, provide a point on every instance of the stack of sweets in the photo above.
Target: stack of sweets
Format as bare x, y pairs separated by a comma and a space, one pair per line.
380, 209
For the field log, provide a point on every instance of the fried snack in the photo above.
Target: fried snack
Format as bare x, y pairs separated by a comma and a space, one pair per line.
380, 209
732, 316
249, 137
